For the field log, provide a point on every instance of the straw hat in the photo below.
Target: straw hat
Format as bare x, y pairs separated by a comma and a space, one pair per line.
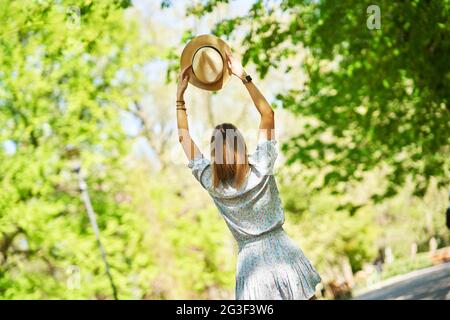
207, 55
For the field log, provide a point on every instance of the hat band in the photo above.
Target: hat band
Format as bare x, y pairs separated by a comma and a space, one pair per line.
192, 61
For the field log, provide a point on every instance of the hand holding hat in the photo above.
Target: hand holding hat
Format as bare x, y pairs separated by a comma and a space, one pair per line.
236, 67
183, 80
207, 54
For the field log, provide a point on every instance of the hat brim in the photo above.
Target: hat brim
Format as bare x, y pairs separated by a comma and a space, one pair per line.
191, 48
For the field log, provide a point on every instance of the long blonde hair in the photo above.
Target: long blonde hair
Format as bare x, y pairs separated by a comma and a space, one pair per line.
228, 156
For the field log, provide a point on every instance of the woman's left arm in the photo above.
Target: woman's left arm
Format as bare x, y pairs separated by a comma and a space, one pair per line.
189, 147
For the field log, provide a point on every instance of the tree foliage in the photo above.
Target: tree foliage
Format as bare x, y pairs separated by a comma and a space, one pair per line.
72, 71
67, 69
371, 96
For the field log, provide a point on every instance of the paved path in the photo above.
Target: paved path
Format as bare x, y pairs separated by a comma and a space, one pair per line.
429, 284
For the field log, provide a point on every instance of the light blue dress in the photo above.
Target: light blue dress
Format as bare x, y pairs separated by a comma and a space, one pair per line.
270, 265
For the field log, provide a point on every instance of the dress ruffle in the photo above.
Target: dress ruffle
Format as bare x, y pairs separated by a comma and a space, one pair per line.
272, 267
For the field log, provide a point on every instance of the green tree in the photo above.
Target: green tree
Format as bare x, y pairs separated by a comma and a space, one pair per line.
371, 96
67, 70
328, 235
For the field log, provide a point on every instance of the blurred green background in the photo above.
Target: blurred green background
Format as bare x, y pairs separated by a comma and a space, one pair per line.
362, 119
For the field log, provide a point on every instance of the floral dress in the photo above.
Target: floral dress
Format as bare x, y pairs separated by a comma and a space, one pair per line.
270, 265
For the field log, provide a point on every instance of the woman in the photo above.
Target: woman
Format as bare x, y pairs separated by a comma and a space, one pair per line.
270, 266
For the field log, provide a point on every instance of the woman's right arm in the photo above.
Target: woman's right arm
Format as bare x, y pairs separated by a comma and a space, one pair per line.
267, 123
189, 146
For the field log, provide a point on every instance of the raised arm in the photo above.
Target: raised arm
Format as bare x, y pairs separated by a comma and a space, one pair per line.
189, 147
267, 123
